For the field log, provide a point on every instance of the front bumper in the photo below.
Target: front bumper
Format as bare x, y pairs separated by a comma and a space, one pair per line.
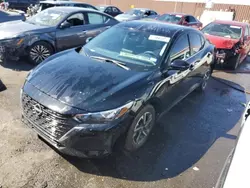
67, 136
223, 55
9, 50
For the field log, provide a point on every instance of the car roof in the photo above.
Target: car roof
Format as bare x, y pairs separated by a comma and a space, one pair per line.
62, 2
141, 8
235, 23
177, 13
72, 9
156, 27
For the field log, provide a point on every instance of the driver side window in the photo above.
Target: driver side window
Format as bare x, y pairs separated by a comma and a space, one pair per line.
180, 49
76, 19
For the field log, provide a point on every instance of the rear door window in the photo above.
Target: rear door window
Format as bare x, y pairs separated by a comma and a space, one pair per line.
190, 19
195, 42
180, 49
95, 18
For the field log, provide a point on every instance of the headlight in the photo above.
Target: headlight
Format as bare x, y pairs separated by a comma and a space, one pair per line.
14, 41
105, 116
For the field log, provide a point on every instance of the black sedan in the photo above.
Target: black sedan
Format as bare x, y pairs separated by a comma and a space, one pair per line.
116, 86
111, 10
52, 30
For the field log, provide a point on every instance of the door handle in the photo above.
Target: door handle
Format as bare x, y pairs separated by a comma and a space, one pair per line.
82, 34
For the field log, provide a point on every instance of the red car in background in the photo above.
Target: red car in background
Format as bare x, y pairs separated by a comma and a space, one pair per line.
231, 39
181, 19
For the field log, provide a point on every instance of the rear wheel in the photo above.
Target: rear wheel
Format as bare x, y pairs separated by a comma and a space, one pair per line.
140, 129
39, 51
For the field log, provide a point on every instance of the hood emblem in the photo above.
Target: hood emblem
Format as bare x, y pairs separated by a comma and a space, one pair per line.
37, 109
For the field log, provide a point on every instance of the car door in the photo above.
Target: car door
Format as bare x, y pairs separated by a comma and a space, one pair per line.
173, 86
72, 36
198, 59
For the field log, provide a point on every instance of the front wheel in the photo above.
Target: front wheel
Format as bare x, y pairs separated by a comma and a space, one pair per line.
140, 129
39, 51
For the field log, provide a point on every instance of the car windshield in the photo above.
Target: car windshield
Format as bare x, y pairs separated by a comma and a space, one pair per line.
101, 8
47, 18
128, 45
136, 12
170, 18
223, 30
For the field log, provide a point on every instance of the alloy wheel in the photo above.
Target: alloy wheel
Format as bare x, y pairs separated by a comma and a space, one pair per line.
38, 53
143, 128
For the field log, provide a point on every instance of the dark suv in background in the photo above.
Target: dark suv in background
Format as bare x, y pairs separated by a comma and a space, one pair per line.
21, 4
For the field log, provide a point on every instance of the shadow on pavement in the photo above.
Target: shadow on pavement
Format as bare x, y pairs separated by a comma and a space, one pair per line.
17, 65
2, 86
180, 139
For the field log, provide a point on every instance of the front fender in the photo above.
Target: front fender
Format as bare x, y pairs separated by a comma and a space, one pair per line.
47, 37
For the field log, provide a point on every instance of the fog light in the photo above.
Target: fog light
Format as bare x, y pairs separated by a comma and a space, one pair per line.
222, 60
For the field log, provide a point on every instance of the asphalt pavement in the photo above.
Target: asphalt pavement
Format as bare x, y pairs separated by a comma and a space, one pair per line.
187, 149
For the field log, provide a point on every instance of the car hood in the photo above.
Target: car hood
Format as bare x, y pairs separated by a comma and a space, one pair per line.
126, 17
221, 42
87, 84
9, 29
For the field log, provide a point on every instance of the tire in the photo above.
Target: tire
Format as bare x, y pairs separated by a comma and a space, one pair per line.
205, 79
138, 133
39, 51
234, 63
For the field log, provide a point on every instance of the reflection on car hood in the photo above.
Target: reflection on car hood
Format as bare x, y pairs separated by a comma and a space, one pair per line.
16, 28
222, 42
124, 17
85, 83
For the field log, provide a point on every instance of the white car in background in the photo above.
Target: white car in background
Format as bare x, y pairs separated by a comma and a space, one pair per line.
235, 173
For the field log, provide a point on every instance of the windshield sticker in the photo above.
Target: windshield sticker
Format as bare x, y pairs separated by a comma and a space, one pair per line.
163, 49
54, 16
159, 38
138, 57
236, 27
178, 16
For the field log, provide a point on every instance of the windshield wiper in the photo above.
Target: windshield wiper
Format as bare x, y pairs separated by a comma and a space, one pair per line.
122, 65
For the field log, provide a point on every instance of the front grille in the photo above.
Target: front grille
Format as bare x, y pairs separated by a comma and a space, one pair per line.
52, 124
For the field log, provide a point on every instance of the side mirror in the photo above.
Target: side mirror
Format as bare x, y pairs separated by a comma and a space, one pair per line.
179, 65
65, 25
